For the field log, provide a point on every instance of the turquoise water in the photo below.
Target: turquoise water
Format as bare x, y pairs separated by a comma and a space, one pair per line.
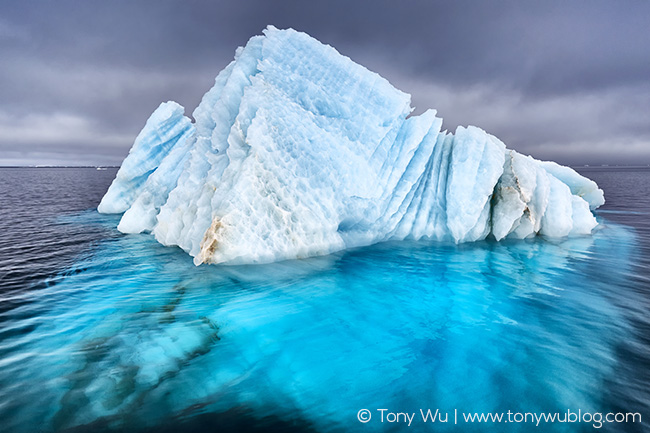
133, 337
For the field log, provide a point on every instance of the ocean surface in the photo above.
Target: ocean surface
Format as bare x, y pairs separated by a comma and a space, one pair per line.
104, 332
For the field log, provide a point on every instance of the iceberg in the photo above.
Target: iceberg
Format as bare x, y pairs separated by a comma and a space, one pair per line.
297, 151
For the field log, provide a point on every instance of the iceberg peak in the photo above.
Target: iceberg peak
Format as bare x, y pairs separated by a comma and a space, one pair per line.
298, 151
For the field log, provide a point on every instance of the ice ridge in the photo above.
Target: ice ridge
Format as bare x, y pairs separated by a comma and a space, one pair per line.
297, 151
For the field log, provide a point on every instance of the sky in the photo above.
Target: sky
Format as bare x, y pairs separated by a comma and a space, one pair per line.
567, 81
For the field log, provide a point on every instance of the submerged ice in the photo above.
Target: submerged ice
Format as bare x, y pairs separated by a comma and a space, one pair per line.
134, 338
297, 151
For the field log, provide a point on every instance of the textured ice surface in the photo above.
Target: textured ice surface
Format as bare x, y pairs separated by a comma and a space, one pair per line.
152, 167
298, 151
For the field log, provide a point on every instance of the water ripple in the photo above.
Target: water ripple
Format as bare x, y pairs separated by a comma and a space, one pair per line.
105, 332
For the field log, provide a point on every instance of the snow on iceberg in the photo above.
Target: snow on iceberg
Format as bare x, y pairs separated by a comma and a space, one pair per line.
297, 151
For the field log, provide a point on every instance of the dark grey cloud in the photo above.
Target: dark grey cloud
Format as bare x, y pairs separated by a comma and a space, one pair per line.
562, 80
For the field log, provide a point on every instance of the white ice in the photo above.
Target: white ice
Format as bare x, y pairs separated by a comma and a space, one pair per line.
152, 161
297, 151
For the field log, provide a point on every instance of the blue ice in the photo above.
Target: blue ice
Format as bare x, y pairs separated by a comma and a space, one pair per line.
140, 336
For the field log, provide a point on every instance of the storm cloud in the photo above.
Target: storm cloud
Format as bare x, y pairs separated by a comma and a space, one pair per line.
568, 81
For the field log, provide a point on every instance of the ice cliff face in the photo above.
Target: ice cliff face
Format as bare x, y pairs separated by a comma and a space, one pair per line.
298, 151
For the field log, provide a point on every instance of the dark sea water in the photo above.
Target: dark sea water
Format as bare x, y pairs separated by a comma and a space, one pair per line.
101, 331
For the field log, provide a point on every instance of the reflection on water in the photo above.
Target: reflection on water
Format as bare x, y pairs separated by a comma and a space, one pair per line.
135, 337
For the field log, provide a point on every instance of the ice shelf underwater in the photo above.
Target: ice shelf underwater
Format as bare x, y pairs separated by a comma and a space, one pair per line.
297, 151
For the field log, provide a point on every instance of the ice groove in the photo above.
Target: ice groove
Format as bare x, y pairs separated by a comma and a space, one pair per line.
297, 151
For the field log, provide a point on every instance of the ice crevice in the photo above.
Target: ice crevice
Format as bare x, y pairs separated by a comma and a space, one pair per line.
297, 151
